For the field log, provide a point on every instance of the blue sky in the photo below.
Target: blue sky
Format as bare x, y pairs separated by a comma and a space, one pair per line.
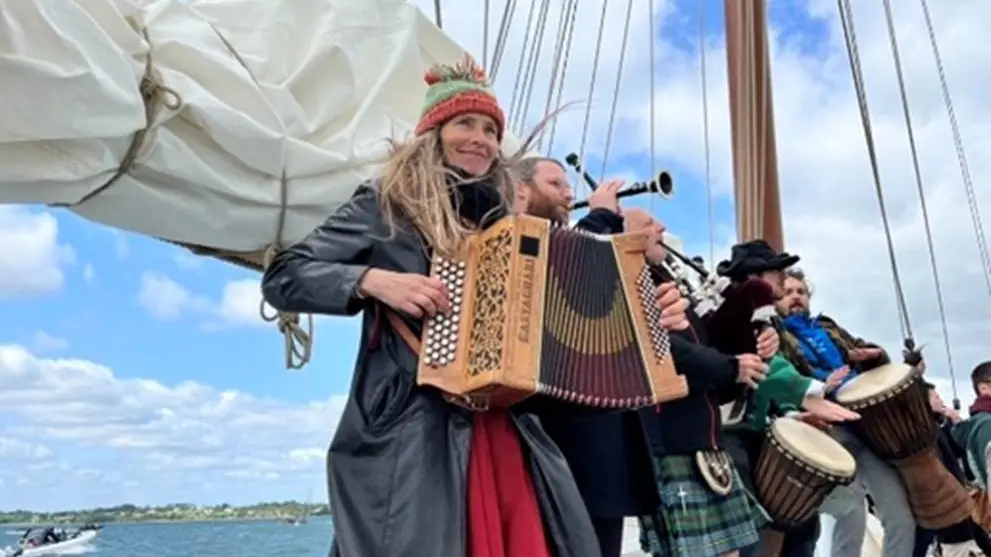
158, 374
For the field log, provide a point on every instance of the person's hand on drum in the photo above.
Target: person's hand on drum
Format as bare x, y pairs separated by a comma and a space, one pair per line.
864, 354
752, 371
673, 307
768, 343
836, 378
821, 412
412, 293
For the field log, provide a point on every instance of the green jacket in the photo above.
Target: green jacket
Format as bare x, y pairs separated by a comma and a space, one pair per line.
784, 386
974, 435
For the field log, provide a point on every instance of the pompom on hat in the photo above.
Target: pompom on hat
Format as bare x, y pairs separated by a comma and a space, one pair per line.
455, 90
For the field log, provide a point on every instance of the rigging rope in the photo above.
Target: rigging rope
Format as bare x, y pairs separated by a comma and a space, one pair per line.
519, 66
853, 54
615, 97
705, 131
530, 78
653, 121
591, 85
893, 38
968, 184
566, 50
485, 33
562, 33
501, 39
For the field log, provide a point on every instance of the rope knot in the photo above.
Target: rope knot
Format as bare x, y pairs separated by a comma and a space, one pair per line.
298, 341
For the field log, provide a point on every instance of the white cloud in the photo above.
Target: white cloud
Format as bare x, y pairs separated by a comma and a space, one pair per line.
237, 305
89, 273
164, 298
44, 342
32, 259
175, 437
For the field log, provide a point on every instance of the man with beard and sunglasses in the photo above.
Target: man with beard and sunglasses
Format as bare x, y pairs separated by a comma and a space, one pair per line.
820, 348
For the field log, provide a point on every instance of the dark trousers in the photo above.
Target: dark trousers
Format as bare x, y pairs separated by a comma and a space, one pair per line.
610, 534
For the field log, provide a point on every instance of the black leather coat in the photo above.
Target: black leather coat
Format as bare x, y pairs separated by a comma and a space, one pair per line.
397, 463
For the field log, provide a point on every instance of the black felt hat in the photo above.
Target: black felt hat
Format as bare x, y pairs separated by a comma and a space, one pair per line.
752, 258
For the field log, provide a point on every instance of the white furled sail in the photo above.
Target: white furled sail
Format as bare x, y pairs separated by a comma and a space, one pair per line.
231, 125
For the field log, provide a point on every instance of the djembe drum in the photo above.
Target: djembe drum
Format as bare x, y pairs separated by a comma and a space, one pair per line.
799, 466
539, 308
897, 424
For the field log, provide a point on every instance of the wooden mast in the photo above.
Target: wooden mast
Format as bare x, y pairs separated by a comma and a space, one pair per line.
755, 161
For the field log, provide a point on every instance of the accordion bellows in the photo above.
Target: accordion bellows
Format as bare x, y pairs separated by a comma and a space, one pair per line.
544, 309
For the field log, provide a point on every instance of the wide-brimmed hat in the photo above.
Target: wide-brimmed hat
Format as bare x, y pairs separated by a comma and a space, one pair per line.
455, 90
754, 257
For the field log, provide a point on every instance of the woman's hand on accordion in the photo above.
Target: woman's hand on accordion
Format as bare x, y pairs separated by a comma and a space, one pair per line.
412, 293
752, 370
673, 307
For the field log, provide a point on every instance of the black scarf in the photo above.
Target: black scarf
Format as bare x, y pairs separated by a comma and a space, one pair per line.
474, 199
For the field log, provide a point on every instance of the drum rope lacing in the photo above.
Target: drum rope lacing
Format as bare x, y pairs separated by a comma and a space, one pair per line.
893, 39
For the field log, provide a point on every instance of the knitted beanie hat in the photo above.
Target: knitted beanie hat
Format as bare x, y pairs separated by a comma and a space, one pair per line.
456, 90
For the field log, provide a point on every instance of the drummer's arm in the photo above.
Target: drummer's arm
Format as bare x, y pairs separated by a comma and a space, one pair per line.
857, 342
320, 274
786, 386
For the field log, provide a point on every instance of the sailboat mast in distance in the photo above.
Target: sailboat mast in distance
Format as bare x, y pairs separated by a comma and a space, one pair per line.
755, 160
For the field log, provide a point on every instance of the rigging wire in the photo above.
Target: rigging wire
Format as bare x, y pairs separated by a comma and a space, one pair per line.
562, 33
705, 131
591, 85
895, 54
502, 38
566, 51
968, 184
619, 81
532, 65
486, 12
523, 56
653, 120
853, 54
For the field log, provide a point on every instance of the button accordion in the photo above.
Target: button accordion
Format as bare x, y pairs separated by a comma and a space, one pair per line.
541, 309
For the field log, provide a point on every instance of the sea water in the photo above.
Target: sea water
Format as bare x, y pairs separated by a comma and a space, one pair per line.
204, 539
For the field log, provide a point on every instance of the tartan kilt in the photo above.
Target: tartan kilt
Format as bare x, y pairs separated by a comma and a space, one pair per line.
692, 520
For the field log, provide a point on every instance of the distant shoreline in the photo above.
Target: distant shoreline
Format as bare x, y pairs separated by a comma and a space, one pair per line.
24, 525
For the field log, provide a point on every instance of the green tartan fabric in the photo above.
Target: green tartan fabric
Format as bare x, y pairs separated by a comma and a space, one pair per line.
692, 520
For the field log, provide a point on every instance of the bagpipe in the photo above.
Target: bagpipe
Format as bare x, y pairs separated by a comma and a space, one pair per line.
705, 292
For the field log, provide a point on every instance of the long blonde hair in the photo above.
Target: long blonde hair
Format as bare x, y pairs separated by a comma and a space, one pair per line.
416, 185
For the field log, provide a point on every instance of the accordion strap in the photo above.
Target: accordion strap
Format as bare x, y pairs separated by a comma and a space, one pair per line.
475, 404
403, 330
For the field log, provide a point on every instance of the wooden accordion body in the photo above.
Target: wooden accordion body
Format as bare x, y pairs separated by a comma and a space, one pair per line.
542, 309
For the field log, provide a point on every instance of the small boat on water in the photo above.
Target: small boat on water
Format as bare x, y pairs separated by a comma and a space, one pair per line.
50, 541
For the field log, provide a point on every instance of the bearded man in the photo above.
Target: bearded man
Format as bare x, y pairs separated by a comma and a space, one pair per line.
820, 348
608, 452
